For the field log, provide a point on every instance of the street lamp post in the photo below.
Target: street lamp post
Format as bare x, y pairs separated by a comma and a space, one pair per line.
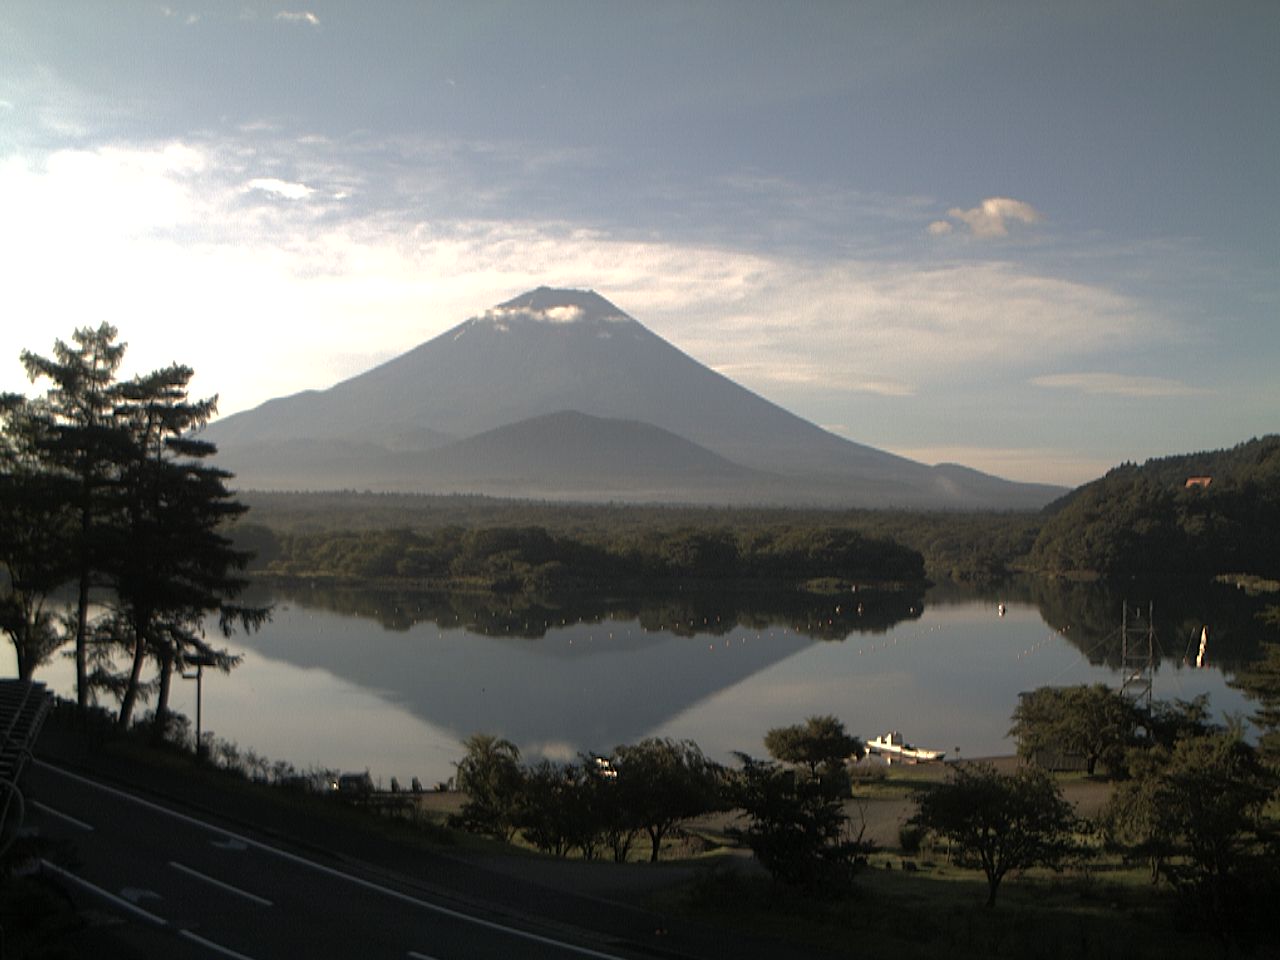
199, 661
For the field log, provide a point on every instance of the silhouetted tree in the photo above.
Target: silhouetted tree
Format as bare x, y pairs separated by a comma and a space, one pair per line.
1197, 811
171, 565
35, 537
820, 744
665, 782
999, 822
81, 440
798, 828
550, 811
491, 777
1095, 722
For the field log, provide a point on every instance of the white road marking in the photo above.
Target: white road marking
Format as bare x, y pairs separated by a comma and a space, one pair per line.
146, 915
61, 816
350, 878
138, 894
220, 884
216, 947
106, 894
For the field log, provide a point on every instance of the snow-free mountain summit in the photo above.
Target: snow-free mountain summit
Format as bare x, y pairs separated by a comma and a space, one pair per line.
559, 394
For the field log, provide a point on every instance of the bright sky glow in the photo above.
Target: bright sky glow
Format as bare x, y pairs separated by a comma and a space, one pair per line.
1036, 239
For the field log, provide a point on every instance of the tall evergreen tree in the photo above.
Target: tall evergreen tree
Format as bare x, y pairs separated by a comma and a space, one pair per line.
34, 537
146, 510
171, 564
81, 441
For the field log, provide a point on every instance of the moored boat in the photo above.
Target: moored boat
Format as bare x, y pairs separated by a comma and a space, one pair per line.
893, 747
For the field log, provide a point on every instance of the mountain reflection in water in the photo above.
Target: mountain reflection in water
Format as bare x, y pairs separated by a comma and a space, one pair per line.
393, 682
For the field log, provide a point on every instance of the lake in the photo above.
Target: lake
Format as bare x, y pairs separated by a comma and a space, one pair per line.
392, 683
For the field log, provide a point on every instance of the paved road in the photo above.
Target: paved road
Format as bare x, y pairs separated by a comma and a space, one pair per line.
191, 888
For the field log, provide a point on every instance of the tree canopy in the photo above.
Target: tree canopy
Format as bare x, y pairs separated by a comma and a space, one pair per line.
820, 743
797, 826
489, 774
1196, 811
999, 822
1093, 722
665, 782
77, 444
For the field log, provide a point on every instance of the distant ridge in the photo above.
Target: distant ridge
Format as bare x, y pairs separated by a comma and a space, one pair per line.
560, 394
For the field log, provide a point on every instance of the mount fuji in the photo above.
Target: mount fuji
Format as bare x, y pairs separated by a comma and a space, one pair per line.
558, 394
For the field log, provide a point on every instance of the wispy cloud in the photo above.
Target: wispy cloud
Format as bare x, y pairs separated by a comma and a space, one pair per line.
280, 188
1118, 385
189, 19
989, 219
298, 16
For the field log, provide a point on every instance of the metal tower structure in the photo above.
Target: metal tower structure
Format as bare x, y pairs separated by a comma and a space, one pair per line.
1138, 655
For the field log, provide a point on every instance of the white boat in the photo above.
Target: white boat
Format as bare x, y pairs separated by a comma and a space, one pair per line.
893, 747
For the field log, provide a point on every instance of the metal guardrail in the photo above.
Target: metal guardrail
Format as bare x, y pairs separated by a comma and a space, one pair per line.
24, 704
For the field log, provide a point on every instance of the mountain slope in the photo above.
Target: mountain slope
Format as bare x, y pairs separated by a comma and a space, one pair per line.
551, 351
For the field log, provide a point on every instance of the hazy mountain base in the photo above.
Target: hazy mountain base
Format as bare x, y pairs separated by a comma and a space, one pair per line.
569, 456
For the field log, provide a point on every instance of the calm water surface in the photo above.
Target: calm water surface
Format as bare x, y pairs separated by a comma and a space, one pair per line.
376, 690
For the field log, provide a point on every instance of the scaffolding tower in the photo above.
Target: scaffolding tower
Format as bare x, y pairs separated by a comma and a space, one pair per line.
1138, 655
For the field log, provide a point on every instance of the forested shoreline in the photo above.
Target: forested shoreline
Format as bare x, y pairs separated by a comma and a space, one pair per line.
534, 559
1142, 522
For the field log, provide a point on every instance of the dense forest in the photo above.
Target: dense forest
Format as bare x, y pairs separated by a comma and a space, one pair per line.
507, 558
287, 531
1196, 515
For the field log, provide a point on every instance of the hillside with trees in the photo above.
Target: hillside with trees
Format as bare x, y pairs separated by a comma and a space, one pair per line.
1197, 515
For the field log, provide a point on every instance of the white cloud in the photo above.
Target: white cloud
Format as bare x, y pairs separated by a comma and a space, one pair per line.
1118, 385
991, 218
298, 16
554, 315
808, 373
280, 188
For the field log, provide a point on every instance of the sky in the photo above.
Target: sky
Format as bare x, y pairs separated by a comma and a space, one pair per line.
1038, 239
